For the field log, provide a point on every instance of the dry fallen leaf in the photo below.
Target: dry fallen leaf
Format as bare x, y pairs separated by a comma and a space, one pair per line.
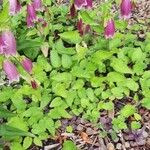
85, 137
110, 146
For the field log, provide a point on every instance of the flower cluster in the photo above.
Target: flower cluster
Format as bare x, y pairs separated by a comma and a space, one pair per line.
8, 49
109, 28
31, 18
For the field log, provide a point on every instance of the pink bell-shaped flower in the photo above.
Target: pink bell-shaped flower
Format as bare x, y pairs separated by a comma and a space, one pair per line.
79, 4
1, 45
31, 15
11, 71
37, 4
30, 23
8, 43
27, 64
125, 9
89, 3
109, 29
31, 12
14, 7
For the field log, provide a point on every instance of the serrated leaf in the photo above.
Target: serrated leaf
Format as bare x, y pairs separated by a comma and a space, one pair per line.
55, 59
27, 142
128, 110
71, 37
120, 66
5, 113
66, 61
69, 145
56, 102
6, 130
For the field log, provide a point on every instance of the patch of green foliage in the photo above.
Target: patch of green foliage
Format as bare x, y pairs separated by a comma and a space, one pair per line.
77, 75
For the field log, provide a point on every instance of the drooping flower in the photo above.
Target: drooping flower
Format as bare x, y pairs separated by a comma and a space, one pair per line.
8, 43
1, 45
89, 3
109, 29
11, 71
27, 64
31, 11
79, 4
37, 4
30, 23
125, 9
14, 7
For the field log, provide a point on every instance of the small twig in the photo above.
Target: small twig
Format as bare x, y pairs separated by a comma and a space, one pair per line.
49, 147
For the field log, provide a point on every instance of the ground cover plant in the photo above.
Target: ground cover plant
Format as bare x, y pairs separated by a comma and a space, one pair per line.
74, 59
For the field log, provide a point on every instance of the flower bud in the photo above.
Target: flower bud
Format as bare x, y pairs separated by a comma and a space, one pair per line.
72, 11
11, 71
8, 43
109, 29
125, 9
34, 84
27, 64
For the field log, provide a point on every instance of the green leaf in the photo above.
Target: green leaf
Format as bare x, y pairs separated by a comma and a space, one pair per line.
146, 102
120, 66
114, 43
5, 113
135, 125
27, 142
132, 85
66, 61
62, 77
16, 146
6, 94
69, 145
6, 130
56, 102
19, 123
115, 77
37, 141
71, 37
87, 19
81, 52
128, 110
55, 59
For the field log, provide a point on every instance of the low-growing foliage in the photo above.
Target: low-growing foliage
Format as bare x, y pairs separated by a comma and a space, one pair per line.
76, 71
